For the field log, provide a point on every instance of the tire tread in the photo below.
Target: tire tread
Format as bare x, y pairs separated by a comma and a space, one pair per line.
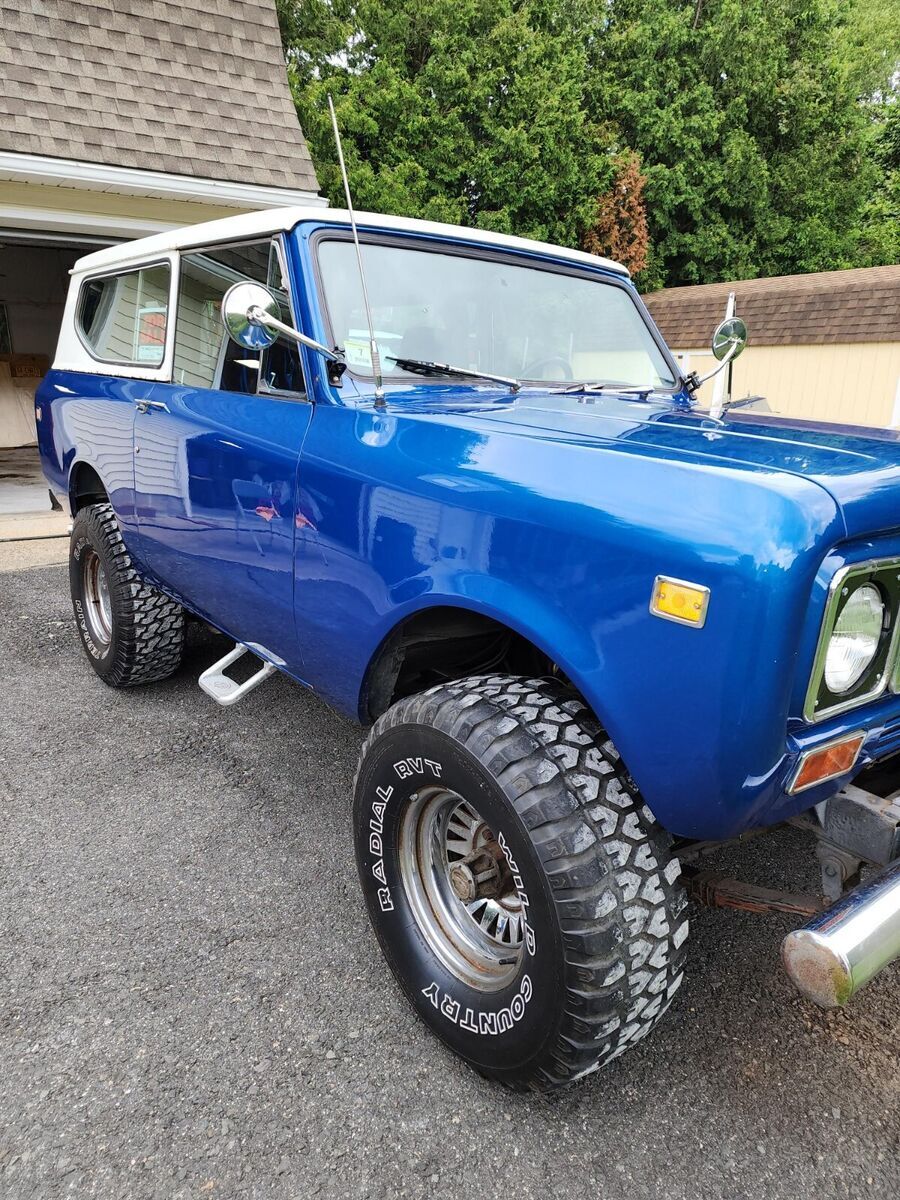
150, 633
606, 858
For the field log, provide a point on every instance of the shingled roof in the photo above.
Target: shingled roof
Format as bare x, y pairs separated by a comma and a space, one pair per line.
186, 88
860, 305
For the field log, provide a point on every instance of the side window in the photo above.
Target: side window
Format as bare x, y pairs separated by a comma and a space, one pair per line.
205, 356
122, 318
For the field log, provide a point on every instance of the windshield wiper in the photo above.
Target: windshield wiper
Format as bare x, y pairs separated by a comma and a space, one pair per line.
419, 366
619, 389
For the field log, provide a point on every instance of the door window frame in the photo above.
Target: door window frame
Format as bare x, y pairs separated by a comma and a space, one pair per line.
262, 389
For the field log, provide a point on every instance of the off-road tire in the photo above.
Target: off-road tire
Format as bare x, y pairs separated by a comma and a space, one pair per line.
603, 893
147, 628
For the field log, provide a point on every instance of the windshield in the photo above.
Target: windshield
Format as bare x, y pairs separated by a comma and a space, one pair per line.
487, 315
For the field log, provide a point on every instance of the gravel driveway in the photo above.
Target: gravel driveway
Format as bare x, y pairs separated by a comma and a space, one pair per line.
192, 1003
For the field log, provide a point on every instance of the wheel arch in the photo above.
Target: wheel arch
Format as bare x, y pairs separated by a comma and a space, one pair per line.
474, 637
85, 486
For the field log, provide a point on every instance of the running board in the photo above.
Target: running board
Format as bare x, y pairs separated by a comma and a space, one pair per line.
227, 691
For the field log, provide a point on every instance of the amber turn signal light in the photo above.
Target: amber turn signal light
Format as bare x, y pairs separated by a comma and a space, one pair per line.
816, 766
678, 600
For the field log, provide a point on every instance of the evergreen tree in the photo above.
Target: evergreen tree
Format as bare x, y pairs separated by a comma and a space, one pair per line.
620, 227
470, 111
760, 130
752, 136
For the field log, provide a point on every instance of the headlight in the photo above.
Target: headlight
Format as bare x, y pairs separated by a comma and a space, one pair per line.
858, 653
854, 640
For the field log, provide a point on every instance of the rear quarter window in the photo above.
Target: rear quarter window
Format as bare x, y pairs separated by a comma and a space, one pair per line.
123, 318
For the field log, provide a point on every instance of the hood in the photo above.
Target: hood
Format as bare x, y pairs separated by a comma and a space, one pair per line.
858, 466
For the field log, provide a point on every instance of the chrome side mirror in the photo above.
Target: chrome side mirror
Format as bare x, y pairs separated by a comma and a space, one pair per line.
729, 339
250, 316
245, 307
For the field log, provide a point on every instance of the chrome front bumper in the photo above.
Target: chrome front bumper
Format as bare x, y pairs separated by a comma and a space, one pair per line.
842, 948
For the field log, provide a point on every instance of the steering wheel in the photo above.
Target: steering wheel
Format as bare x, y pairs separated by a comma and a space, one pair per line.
553, 360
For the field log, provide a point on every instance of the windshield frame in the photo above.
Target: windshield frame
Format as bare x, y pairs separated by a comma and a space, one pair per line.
462, 249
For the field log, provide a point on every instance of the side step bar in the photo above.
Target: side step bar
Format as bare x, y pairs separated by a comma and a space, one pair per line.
227, 691
842, 948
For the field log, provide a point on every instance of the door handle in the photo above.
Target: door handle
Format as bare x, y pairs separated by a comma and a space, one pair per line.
144, 405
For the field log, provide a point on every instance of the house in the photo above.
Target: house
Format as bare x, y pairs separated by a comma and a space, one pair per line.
121, 118
824, 346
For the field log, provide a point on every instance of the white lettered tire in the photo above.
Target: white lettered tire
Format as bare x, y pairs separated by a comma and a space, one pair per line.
522, 892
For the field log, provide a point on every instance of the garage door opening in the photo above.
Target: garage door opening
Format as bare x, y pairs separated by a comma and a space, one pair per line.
34, 280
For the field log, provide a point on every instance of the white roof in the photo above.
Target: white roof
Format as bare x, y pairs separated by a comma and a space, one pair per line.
276, 220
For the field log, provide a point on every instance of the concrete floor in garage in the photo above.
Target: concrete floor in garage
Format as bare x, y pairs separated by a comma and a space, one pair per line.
192, 1003
23, 488
31, 531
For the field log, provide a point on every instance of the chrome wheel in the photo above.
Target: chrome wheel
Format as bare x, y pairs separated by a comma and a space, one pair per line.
461, 889
97, 603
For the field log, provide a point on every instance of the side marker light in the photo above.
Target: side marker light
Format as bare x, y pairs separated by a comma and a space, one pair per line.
816, 766
678, 600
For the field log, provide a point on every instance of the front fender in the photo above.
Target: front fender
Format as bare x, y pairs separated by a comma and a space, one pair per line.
561, 540
699, 716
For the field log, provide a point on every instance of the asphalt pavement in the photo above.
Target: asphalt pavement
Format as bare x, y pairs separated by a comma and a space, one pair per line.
192, 1003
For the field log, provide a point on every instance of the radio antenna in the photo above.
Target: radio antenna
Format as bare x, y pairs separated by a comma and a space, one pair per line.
373, 345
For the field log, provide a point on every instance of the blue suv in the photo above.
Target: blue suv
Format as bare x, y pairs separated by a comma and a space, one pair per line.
593, 629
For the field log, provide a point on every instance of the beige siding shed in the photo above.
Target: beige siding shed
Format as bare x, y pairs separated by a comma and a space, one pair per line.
824, 346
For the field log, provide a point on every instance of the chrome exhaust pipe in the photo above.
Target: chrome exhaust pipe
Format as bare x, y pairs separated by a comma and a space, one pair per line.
840, 949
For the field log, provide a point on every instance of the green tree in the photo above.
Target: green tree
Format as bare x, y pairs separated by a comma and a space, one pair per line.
749, 126
761, 127
879, 231
471, 111
870, 48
